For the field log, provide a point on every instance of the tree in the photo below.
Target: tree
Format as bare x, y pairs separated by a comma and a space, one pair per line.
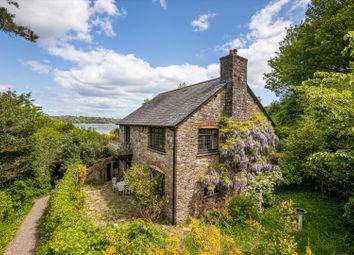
19, 120
313, 45
8, 25
320, 147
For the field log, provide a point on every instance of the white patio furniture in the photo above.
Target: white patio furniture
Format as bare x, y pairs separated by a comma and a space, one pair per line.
114, 183
127, 189
121, 186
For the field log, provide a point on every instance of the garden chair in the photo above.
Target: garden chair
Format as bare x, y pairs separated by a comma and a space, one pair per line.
127, 189
121, 186
114, 183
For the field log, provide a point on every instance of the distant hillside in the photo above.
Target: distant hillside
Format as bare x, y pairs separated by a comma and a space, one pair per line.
85, 119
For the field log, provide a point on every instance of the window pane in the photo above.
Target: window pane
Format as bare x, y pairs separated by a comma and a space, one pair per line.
208, 139
157, 138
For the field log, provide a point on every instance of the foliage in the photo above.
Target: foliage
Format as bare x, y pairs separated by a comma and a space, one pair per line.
34, 150
320, 148
313, 45
12, 218
135, 237
242, 208
245, 152
260, 190
216, 216
6, 207
86, 119
207, 239
19, 120
349, 211
143, 183
64, 229
324, 226
114, 134
8, 25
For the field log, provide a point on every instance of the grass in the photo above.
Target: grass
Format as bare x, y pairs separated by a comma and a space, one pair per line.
324, 226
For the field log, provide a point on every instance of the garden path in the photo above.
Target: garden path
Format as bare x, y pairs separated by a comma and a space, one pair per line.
26, 239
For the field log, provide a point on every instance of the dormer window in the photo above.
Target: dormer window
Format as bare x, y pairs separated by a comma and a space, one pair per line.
157, 138
208, 140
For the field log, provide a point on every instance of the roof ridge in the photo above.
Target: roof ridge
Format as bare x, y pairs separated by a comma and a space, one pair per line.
189, 86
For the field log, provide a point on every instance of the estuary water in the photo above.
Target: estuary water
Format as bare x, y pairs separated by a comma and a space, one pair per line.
102, 128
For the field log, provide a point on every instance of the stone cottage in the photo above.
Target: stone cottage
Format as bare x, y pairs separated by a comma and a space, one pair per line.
176, 133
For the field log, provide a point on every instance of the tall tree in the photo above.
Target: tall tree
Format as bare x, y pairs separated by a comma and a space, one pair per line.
8, 25
19, 120
314, 45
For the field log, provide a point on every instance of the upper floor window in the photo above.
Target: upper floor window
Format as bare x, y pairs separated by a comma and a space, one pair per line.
157, 138
208, 140
126, 134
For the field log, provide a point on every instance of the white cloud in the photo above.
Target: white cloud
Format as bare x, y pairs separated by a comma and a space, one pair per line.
105, 81
106, 75
202, 22
232, 44
5, 87
37, 66
106, 26
266, 29
162, 3
64, 20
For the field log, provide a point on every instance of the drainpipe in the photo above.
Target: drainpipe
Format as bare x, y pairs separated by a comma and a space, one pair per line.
174, 178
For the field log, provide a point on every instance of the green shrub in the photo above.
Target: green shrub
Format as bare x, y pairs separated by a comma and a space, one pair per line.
242, 208
6, 207
260, 190
134, 237
76, 238
64, 228
10, 218
144, 182
21, 192
349, 211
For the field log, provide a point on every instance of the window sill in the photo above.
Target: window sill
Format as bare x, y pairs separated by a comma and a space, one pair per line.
211, 196
201, 154
160, 151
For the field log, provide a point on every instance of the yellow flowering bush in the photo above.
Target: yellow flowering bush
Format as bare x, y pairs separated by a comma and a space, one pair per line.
208, 240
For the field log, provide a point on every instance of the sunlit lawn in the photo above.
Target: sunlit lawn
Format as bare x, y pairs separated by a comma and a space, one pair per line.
324, 227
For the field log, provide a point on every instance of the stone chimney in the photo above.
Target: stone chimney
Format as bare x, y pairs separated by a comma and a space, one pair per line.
233, 69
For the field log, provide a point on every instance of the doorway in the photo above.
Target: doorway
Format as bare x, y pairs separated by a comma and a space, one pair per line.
108, 172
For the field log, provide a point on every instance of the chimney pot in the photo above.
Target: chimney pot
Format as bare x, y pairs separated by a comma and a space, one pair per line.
233, 52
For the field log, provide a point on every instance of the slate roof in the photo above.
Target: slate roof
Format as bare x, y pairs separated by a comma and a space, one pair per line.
172, 107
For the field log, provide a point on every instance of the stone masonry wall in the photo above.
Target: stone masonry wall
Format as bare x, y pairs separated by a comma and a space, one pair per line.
233, 69
162, 161
191, 166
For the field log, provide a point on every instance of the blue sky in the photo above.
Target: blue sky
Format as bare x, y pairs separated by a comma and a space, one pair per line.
104, 57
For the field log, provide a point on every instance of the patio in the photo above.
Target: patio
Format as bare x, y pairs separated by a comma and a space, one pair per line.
105, 206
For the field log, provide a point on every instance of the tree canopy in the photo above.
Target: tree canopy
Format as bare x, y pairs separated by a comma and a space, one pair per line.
313, 45
8, 25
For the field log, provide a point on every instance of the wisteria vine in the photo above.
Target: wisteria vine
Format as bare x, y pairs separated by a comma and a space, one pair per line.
244, 152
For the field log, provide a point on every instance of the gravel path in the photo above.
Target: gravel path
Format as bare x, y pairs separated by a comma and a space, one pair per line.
25, 241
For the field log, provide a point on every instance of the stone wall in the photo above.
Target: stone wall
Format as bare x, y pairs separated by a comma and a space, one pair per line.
190, 165
96, 172
252, 106
161, 161
233, 69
